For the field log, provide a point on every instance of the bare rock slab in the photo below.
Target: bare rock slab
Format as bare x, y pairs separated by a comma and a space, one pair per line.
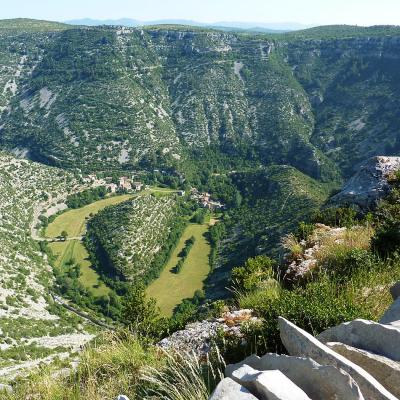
392, 314
268, 385
300, 343
319, 382
386, 371
366, 335
228, 389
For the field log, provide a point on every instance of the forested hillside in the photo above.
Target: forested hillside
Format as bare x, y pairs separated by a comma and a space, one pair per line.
319, 100
133, 240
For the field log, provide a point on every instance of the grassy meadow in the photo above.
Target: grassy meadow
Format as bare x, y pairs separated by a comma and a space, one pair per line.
74, 223
171, 288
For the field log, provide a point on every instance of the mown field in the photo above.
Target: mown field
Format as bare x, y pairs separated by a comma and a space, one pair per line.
74, 223
170, 288
76, 250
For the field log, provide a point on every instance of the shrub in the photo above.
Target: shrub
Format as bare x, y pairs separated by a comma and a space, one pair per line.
141, 315
337, 216
315, 307
387, 239
253, 273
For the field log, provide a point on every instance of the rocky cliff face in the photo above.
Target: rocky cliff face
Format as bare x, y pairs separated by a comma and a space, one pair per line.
369, 184
85, 96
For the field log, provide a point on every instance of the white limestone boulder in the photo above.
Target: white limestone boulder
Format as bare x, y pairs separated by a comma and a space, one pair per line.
386, 371
392, 314
228, 389
369, 184
300, 343
268, 385
319, 382
366, 335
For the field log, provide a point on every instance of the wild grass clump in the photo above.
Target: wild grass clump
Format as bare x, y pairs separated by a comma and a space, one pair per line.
109, 367
184, 377
121, 364
334, 247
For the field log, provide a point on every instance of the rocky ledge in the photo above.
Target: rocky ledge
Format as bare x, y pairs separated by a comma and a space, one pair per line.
369, 184
197, 337
355, 360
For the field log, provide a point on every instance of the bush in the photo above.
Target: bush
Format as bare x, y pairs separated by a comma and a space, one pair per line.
314, 308
337, 217
387, 239
253, 273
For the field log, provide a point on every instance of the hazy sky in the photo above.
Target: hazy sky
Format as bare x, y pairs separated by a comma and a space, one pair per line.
361, 12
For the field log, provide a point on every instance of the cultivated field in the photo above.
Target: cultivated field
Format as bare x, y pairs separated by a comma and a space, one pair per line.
170, 288
76, 250
74, 223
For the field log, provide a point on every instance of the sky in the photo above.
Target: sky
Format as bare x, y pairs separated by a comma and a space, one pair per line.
310, 12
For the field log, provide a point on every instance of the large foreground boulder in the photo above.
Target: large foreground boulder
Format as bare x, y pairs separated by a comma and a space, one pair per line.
319, 382
300, 343
386, 371
392, 314
366, 335
369, 184
268, 385
228, 389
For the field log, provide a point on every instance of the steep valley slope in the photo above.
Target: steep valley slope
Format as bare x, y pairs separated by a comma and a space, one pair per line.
321, 101
33, 327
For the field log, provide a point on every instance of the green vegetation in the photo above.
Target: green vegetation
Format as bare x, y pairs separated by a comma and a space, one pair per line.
118, 364
269, 125
170, 288
31, 25
73, 224
274, 201
75, 250
351, 279
151, 227
291, 99
74, 221
86, 197
27, 308
184, 254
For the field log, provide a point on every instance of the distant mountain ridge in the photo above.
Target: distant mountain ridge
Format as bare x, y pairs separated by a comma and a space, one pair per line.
226, 25
321, 100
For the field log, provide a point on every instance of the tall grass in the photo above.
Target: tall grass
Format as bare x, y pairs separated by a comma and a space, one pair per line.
184, 377
333, 247
120, 364
109, 367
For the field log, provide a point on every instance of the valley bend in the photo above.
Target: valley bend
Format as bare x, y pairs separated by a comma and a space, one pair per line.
199, 200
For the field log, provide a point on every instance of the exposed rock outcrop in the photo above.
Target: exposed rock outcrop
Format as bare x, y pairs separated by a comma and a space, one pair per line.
320, 382
369, 184
228, 389
197, 337
395, 290
385, 370
367, 335
268, 385
392, 315
300, 343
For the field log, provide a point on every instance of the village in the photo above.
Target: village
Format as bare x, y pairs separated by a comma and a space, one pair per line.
128, 185
204, 200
